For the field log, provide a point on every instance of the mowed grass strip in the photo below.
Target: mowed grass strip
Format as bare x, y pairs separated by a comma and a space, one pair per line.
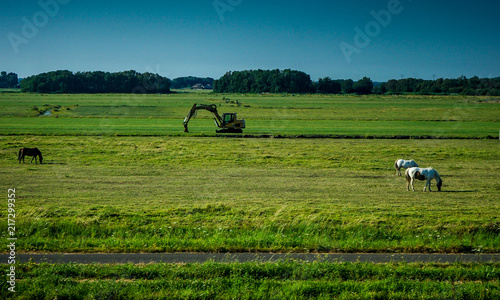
281, 128
257, 280
279, 115
257, 107
170, 194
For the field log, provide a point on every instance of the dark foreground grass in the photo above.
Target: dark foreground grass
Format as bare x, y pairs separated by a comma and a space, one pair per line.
257, 280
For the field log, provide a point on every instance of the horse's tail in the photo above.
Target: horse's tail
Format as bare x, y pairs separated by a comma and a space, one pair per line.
21, 154
407, 176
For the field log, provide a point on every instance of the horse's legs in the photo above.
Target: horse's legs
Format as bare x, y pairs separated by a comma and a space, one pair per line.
411, 182
407, 177
427, 183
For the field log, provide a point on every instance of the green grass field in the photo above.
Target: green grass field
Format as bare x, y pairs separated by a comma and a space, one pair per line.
155, 194
284, 115
120, 175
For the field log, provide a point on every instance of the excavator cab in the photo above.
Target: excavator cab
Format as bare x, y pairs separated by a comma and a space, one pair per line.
228, 118
231, 124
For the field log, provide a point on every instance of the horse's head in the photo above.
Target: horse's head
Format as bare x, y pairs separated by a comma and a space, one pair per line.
39, 155
439, 185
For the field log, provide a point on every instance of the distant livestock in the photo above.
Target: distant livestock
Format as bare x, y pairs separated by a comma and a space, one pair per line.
422, 174
30, 152
401, 163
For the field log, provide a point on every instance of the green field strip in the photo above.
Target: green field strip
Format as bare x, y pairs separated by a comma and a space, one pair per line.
166, 127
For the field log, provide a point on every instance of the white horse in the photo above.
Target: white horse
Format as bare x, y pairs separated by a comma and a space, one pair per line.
401, 163
422, 174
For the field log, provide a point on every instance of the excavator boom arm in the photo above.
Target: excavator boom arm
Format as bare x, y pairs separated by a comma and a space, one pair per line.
211, 108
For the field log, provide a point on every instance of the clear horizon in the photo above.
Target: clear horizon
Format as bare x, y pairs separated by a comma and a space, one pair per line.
381, 40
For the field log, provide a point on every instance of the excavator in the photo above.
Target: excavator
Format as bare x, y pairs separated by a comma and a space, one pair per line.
228, 123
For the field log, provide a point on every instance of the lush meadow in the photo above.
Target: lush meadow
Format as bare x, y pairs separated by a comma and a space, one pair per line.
155, 194
119, 175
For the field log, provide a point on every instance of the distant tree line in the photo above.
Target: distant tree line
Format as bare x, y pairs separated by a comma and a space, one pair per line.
264, 81
96, 82
346, 86
250, 81
461, 85
287, 81
8, 81
185, 82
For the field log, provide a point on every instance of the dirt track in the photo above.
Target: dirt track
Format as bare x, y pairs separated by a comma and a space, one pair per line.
121, 258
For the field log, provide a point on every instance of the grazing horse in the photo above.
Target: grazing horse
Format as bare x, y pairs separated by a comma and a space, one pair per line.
422, 174
401, 163
29, 152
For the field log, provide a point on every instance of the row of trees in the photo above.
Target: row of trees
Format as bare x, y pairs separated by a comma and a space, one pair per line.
287, 81
346, 86
8, 81
264, 81
184, 82
250, 81
461, 85
96, 82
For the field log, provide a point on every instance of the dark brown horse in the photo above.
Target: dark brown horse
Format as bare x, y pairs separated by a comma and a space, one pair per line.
29, 152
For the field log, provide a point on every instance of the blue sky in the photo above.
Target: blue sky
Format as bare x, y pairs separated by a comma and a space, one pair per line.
174, 38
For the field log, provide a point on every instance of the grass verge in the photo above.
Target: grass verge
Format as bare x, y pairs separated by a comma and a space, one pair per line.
257, 280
